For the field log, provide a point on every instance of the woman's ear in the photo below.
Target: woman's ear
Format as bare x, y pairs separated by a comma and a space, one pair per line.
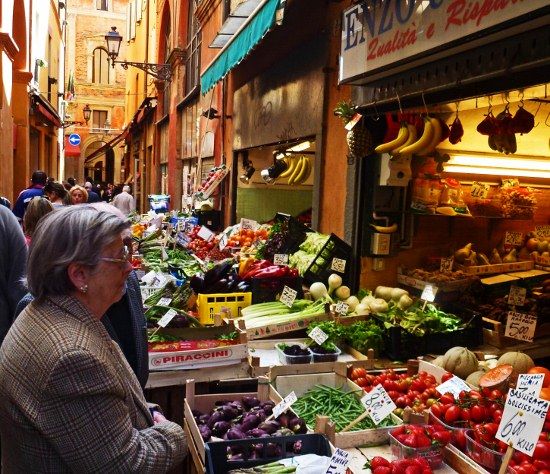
78, 274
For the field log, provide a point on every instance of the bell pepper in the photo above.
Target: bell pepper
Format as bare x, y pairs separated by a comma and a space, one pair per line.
274, 271
255, 268
245, 265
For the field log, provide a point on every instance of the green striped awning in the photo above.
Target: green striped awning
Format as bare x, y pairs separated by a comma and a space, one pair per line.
238, 47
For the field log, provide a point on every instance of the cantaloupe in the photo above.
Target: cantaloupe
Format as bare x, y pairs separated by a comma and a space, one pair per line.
460, 361
497, 378
439, 361
518, 360
473, 378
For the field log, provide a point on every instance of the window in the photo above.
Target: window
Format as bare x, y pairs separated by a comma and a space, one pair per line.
190, 127
192, 62
102, 5
101, 71
99, 117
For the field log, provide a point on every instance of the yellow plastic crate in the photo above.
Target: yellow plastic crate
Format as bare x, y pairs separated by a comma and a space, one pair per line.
231, 303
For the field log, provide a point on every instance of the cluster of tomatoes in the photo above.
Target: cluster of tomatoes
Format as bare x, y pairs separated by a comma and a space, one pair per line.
539, 462
245, 237
422, 436
415, 391
414, 465
205, 249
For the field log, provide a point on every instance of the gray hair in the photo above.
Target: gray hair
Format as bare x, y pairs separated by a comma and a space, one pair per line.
75, 234
126, 189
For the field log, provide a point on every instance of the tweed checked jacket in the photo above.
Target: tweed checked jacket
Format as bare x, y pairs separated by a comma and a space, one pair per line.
70, 402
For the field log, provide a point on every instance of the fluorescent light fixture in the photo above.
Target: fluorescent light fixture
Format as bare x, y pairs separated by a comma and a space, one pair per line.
527, 167
300, 146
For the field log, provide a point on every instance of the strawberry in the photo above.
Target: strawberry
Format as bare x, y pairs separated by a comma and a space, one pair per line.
382, 470
413, 469
410, 440
399, 466
422, 441
379, 461
421, 462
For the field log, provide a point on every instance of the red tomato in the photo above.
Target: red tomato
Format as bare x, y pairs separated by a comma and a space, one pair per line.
442, 437
447, 399
478, 413
446, 376
542, 450
452, 414
436, 409
358, 372
418, 385
545, 393
465, 414
497, 416
362, 382
541, 370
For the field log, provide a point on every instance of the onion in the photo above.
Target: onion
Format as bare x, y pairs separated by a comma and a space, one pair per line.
334, 281
318, 290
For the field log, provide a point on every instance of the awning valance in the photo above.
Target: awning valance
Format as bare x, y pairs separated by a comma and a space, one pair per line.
237, 48
110, 144
70, 149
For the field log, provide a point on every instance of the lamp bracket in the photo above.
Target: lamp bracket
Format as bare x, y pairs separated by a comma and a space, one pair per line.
162, 72
70, 123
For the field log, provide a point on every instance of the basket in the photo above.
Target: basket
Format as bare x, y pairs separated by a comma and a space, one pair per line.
433, 454
321, 266
484, 456
231, 303
147, 291
217, 461
267, 289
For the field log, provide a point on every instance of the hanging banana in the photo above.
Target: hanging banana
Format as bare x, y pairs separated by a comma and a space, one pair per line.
296, 171
422, 143
436, 137
410, 140
290, 165
304, 173
397, 142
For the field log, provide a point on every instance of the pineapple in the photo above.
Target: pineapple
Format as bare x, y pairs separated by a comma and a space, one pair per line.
359, 138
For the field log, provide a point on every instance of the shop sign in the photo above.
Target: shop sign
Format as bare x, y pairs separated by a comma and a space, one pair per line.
377, 34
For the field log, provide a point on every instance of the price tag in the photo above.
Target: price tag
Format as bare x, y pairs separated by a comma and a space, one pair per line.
513, 239
428, 293
338, 265
530, 383
165, 320
338, 462
342, 308
479, 190
517, 295
223, 241
161, 279
288, 296
148, 278
522, 420
284, 405
249, 224
318, 335
205, 233
520, 326
156, 222
280, 259
454, 385
446, 265
353, 122
542, 231
164, 301
378, 404
164, 254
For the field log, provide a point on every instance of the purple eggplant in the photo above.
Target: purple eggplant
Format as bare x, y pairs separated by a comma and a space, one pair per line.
256, 433
269, 426
250, 402
235, 433
237, 406
229, 412
205, 433
297, 425
267, 407
196, 413
250, 421
203, 419
214, 418
220, 428
283, 420
272, 450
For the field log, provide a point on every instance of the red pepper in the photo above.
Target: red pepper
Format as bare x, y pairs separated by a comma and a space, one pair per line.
255, 268
293, 272
273, 271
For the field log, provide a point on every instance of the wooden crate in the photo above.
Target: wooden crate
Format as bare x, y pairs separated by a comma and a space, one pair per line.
450, 286
301, 383
493, 334
497, 268
281, 328
194, 464
460, 462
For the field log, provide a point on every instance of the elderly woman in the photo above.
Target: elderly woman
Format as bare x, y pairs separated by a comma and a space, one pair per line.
68, 399
78, 194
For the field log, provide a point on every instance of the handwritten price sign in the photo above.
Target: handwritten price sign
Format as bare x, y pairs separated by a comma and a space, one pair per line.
479, 190
338, 462
428, 293
513, 239
530, 383
249, 224
165, 320
378, 404
338, 265
522, 420
542, 231
342, 308
517, 295
280, 259
446, 265
520, 326
454, 385
223, 241
318, 335
288, 296
284, 405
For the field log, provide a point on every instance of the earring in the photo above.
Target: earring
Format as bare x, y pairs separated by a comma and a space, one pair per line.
84, 288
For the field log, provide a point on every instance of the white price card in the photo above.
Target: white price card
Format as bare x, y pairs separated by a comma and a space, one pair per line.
428, 293
284, 405
520, 326
522, 420
223, 241
249, 224
318, 335
530, 383
338, 265
454, 385
280, 259
516, 296
164, 254
479, 190
165, 320
338, 462
446, 265
513, 239
148, 278
542, 231
205, 233
164, 301
378, 404
288, 296
342, 308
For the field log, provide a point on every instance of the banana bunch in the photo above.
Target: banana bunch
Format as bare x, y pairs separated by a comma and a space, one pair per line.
298, 169
407, 142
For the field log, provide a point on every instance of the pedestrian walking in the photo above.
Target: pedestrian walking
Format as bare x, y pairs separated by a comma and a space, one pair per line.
13, 259
38, 181
78, 194
38, 207
92, 195
78, 406
124, 201
56, 193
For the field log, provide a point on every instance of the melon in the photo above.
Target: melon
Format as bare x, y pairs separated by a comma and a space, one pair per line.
439, 361
518, 360
497, 378
473, 378
460, 361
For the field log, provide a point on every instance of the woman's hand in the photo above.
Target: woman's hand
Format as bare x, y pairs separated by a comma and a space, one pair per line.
158, 417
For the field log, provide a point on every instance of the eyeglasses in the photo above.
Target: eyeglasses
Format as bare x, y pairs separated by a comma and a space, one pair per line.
126, 256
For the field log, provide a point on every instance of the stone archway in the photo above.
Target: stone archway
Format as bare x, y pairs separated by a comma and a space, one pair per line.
90, 147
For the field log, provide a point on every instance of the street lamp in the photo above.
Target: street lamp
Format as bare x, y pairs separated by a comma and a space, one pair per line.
87, 113
162, 72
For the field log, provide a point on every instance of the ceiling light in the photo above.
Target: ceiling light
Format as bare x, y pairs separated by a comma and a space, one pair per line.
269, 175
300, 146
247, 174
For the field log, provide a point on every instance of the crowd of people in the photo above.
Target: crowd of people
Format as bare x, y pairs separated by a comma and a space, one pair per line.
73, 340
